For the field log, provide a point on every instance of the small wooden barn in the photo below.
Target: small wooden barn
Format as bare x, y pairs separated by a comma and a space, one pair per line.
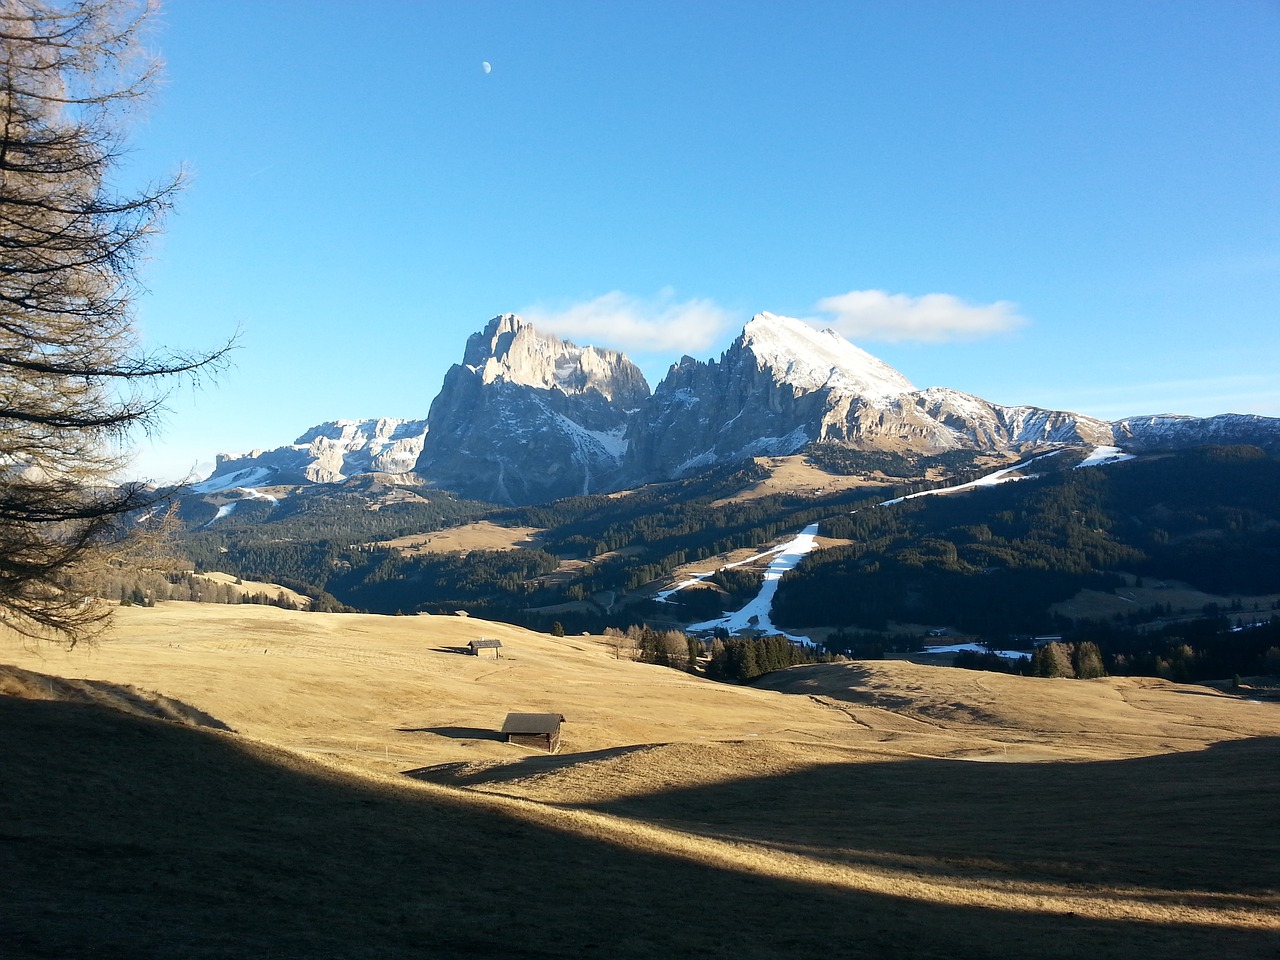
486, 644
541, 731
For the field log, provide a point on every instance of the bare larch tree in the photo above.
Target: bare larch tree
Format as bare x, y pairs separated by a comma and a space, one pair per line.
74, 379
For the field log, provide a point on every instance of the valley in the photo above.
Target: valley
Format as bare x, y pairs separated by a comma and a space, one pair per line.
1068, 543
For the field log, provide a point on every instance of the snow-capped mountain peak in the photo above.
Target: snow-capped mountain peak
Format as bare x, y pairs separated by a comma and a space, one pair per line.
811, 359
328, 453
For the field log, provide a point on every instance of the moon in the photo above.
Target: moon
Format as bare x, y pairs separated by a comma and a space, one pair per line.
486, 66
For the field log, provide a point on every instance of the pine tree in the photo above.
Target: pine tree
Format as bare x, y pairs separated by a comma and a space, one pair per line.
1052, 660
1088, 661
74, 382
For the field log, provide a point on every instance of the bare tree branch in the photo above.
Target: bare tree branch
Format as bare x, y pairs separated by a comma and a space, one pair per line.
72, 375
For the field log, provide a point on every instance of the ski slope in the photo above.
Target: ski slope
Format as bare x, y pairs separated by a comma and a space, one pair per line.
756, 615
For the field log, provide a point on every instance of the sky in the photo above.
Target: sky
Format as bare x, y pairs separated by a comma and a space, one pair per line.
1072, 205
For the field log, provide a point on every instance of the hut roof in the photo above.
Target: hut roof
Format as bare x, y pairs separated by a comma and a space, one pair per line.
483, 644
532, 723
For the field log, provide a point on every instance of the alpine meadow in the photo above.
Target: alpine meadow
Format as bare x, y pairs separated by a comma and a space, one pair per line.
545, 637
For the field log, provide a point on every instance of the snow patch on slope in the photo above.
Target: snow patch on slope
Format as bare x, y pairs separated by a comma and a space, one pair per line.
1104, 455
977, 648
755, 615
247, 493
1003, 475
247, 477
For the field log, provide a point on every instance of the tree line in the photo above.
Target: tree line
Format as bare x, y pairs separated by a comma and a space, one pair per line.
146, 588
1211, 648
727, 659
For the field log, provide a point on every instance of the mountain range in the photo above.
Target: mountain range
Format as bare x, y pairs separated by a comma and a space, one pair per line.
527, 417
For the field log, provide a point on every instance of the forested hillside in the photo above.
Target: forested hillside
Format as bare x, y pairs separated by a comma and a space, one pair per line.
992, 561
327, 544
989, 562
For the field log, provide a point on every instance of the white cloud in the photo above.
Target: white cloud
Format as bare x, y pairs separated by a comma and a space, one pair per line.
932, 318
636, 324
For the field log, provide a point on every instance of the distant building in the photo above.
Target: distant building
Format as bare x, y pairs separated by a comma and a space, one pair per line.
484, 644
540, 731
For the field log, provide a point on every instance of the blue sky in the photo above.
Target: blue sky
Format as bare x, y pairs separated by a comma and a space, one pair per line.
1075, 205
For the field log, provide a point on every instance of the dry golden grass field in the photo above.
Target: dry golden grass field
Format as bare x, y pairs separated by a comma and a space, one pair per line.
795, 474
242, 781
481, 535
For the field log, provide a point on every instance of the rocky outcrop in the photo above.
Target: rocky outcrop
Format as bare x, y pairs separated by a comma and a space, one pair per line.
969, 422
528, 417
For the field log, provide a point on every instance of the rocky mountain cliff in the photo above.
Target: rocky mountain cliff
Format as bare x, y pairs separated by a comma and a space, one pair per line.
783, 385
528, 417
766, 396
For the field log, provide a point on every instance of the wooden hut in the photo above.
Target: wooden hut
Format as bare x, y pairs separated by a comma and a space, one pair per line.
486, 644
541, 731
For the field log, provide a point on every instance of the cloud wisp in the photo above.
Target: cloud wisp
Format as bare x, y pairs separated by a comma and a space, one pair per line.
932, 318
636, 324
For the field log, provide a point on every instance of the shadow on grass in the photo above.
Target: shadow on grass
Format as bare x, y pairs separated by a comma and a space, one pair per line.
1201, 821
456, 733
126, 837
462, 774
117, 696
